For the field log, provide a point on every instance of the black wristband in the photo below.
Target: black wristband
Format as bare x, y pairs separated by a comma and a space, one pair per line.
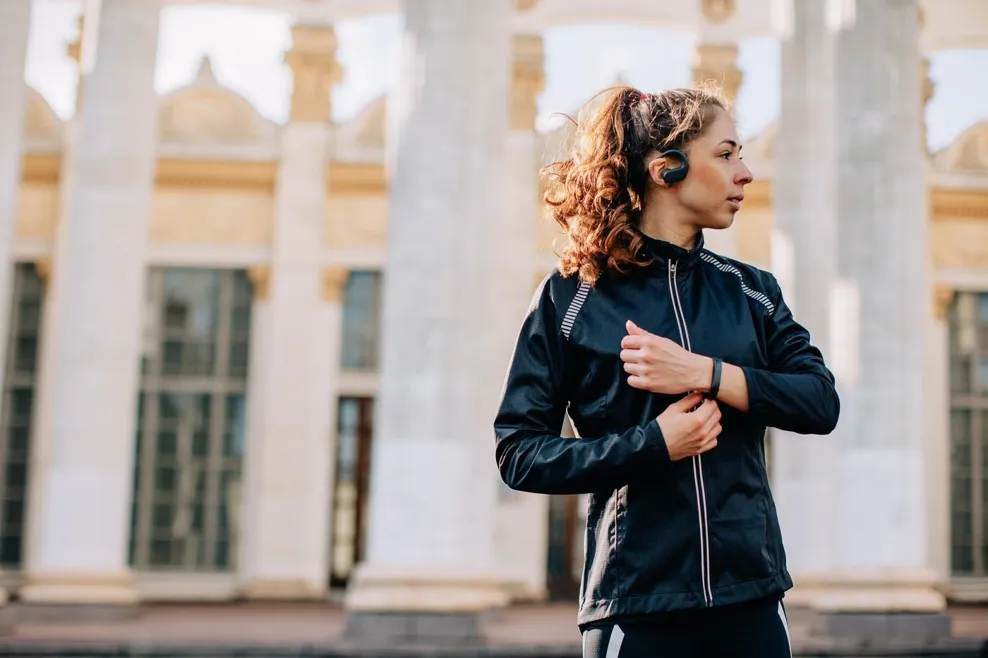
715, 380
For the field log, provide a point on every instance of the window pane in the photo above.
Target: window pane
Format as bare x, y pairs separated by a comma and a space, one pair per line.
969, 434
200, 320
361, 320
23, 343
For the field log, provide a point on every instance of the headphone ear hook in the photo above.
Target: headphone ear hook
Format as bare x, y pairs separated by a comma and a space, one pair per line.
675, 174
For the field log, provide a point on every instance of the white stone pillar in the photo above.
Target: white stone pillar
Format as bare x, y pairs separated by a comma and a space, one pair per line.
80, 512
445, 338
804, 259
286, 526
521, 527
881, 528
15, 23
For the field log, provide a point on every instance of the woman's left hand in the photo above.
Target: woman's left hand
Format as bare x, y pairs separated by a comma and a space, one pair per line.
660, 365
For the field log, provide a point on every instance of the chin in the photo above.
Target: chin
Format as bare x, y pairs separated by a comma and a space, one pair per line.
719, 223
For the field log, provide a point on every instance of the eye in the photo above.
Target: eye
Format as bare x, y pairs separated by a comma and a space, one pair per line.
726, 156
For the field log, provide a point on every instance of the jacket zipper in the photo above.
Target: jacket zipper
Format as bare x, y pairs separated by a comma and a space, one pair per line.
701, 496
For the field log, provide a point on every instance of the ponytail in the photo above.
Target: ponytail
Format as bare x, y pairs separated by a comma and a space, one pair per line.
596, 195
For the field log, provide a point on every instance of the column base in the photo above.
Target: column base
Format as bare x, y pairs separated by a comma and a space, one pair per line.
6, 615
271, 589
70, 597
869, 590
392, 629
897, 612
393, 606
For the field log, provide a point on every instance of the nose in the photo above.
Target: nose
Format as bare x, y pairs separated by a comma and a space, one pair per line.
743, 176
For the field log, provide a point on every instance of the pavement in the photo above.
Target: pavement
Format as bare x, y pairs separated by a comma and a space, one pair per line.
298, 629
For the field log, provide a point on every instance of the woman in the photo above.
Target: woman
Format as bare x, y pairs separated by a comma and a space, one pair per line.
671, 362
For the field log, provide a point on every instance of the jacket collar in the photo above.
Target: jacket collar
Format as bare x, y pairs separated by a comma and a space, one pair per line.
663, 253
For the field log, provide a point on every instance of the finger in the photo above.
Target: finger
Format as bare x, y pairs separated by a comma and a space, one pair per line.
688, 402
631, 356
637, 381
634, 329
707, 409
633, 342
634, 368
707, 445
708, 427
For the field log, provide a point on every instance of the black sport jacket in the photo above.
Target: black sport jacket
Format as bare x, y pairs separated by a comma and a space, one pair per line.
661, 535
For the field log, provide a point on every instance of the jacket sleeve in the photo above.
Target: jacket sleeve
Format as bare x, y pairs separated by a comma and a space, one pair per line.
797, 392
531, 454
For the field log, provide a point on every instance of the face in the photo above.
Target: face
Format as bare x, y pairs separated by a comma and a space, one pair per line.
712, 192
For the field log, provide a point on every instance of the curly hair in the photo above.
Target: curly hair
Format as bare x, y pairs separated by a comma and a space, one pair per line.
596, 195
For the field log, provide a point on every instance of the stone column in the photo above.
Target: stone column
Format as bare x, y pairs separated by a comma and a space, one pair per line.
15, 23
881, 524
445, 338
715, 63
85, 443
804, 259
287, 526
521, 531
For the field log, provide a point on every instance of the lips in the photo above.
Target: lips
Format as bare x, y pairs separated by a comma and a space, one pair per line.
735, 201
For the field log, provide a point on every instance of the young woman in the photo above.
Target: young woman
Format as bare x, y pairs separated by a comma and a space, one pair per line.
670, 361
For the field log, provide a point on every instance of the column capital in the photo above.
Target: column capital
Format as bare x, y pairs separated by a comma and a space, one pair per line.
260, 276
43, 267
334, 280
943, 297
527, 79
718, 11
718, 63
74, 48
312, 60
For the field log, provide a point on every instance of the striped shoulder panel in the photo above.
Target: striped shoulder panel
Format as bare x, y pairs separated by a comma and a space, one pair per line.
574, 308
727, 267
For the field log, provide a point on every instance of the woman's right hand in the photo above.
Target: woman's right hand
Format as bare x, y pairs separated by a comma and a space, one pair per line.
690, 432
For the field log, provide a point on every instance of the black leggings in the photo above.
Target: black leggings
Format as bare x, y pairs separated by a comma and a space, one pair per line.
750, 630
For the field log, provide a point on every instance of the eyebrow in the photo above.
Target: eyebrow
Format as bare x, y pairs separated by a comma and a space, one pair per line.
732, 143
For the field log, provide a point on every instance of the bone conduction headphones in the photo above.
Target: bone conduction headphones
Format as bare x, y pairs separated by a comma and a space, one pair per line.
674, 175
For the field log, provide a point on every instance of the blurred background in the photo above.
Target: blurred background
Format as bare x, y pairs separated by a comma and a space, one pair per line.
210, 391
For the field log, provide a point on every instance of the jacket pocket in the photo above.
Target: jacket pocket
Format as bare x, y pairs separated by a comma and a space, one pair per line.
739, 550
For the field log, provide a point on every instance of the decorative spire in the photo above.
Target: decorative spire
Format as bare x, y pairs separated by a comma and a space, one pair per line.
205, 74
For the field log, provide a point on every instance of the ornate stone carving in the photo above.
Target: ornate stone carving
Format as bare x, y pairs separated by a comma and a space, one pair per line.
928, 89
74, 48
42, 267
948, 204
259, 276
206, 112
718, 11
968, 153
315, 70
528, 79
943, 296
40, 121
718, 64
960, 244
366, 131
334, 280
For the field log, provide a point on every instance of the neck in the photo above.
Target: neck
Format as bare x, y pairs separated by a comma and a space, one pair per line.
666, 226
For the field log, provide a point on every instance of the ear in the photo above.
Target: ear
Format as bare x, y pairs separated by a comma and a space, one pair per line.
655, 168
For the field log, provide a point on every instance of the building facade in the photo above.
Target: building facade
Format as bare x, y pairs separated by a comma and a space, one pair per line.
194, 313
